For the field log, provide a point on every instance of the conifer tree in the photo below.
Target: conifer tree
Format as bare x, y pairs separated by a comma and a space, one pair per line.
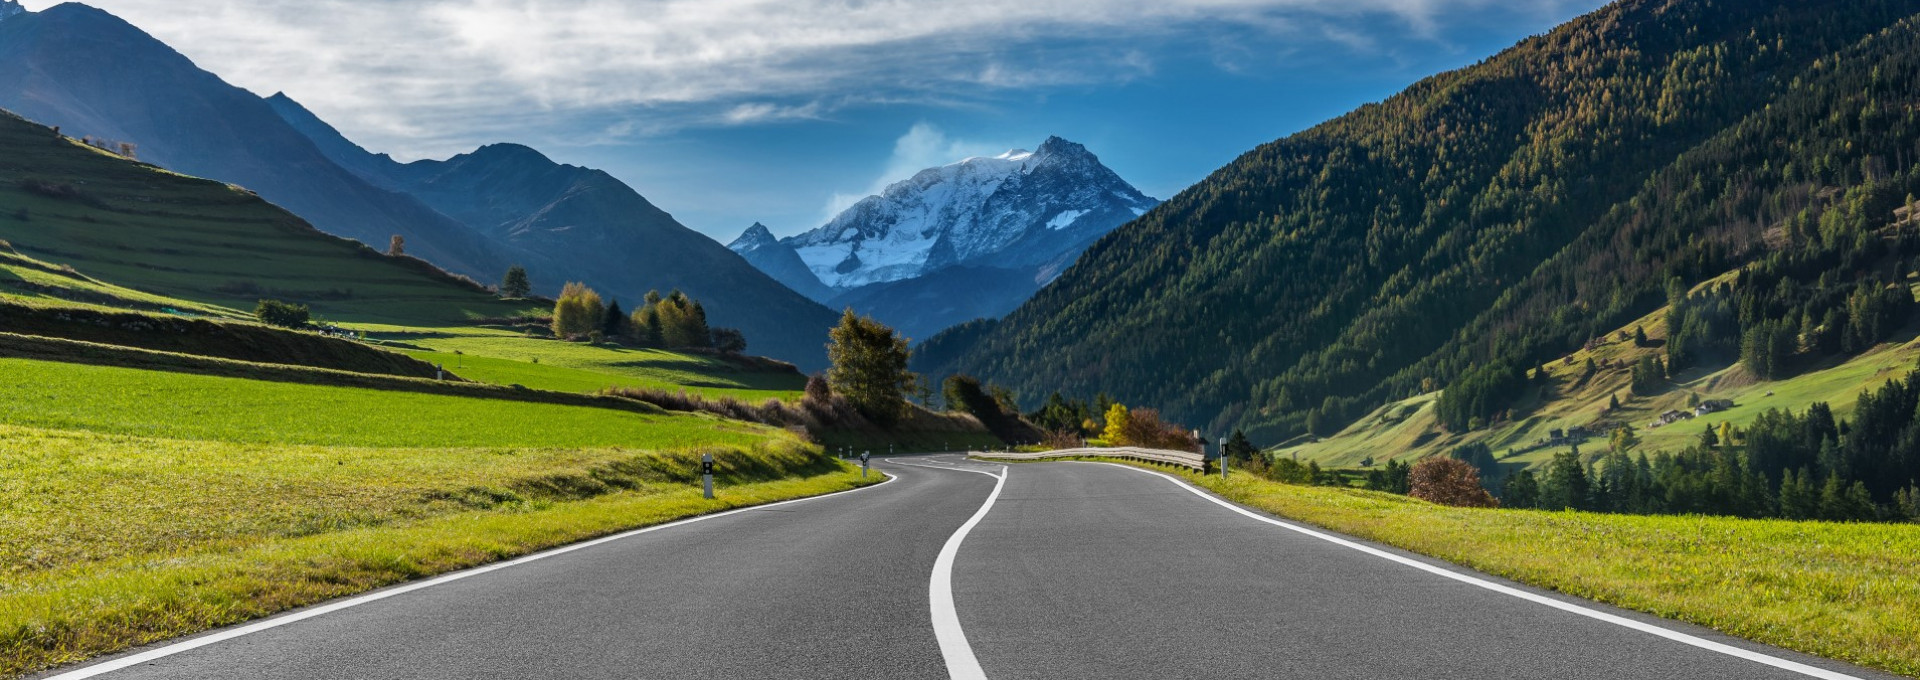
515, 285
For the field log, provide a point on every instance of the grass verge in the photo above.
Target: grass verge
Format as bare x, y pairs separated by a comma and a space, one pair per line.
1843, 591
89, 608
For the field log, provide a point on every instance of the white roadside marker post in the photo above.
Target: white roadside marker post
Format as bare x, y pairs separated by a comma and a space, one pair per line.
1222, 449
706, 474
863, 463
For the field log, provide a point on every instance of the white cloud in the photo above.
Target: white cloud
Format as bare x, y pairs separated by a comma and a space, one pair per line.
762, 112
429, 77
923, 146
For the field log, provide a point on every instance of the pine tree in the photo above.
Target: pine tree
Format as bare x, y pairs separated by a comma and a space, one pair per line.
1565, 485
1239, 448
616, 321
515, 285
1521, 491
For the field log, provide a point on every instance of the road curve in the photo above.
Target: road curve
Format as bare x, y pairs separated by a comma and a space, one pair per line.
956, 569
833, 587
1099, 571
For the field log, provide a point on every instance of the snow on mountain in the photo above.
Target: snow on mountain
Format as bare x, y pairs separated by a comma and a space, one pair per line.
1015, 210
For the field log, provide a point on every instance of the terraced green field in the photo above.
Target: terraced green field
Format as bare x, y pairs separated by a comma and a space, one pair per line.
55, 395
203, 241
505, 357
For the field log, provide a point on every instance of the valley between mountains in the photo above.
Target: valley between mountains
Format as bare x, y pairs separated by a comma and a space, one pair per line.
1598, 356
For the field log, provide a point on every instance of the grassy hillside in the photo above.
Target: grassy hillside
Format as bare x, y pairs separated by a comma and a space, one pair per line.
198, 241
1842, 591
1506, 211
1408, 429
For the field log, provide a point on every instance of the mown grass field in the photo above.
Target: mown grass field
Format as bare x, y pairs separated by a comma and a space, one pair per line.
506, 357
117, 400
1843, 591
203, 241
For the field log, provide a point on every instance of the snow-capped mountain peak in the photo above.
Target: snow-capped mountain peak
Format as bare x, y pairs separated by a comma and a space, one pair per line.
1052, 199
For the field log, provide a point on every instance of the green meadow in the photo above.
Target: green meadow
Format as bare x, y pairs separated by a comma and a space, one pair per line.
506, 357
117, 400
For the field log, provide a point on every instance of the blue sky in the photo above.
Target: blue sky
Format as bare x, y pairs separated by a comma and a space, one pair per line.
727, 112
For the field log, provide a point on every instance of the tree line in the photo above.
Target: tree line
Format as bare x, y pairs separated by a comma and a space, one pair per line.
673, 321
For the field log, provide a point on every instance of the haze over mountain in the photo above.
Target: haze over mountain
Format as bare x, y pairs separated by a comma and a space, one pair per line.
476, 214
962, 241
1502, 214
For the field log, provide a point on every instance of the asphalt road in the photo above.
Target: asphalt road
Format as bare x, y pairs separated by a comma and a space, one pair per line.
1072, 570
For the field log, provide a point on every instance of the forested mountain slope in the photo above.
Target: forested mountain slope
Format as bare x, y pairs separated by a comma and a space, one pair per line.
1508, 211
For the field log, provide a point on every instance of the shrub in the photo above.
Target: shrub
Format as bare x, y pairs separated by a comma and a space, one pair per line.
1144, 428
283, 314
1448, 481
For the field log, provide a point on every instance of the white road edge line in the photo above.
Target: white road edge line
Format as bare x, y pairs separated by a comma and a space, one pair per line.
961, 663
1595, 614
110, 666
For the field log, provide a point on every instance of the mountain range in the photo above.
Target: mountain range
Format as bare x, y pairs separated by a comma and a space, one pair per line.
971, 239
1493, 217
97, 76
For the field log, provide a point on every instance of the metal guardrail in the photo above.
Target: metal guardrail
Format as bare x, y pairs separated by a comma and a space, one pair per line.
1190, 459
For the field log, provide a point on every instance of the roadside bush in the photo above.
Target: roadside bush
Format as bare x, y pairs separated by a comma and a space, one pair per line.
1448, 481
1144, 428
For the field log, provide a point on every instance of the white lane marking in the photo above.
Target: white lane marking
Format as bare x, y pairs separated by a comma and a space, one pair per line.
1622, 621
196, 643
961, 663
958, 468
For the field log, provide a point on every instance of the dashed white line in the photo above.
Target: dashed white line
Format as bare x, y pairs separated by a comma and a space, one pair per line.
222, 636
1568, 607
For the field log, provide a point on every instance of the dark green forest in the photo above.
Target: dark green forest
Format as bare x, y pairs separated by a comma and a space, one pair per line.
1503, 215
